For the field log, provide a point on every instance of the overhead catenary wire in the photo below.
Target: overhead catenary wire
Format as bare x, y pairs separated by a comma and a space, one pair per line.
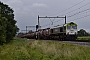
81, 17
71, 7
73, 19
76, 10
75, 14
53, 19
78, 18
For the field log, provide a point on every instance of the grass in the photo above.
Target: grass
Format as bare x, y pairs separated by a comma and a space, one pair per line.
84, 38
23, 49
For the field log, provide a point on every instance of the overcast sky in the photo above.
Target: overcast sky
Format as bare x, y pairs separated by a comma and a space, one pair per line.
27, 11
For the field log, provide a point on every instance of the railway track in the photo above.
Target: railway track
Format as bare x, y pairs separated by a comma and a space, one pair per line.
74, 42
80, 43
82, 40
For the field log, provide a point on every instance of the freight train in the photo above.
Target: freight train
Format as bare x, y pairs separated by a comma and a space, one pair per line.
65, 32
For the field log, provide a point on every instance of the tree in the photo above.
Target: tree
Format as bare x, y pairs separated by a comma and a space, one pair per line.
3, 22
82, 32
7, 22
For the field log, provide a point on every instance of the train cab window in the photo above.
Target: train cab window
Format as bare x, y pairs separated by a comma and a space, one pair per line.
74, 27
68, 27
61, 29
51, 30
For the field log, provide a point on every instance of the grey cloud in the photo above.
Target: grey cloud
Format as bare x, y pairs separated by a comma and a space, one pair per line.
26, 11
39, 5
15, 3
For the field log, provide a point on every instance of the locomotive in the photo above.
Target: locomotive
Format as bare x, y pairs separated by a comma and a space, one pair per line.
65, 32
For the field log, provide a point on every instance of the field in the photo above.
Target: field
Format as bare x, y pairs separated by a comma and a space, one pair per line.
84, 38
24, 49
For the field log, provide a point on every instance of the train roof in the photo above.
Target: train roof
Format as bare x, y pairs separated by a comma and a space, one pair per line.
57, 26
71, 23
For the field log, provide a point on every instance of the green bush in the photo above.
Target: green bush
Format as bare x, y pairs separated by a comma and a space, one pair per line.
23, 49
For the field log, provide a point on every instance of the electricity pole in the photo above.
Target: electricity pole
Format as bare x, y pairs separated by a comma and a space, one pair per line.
29, 27
48, 17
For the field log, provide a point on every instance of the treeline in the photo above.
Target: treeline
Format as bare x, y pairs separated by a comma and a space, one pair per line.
82, 32
8, 28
